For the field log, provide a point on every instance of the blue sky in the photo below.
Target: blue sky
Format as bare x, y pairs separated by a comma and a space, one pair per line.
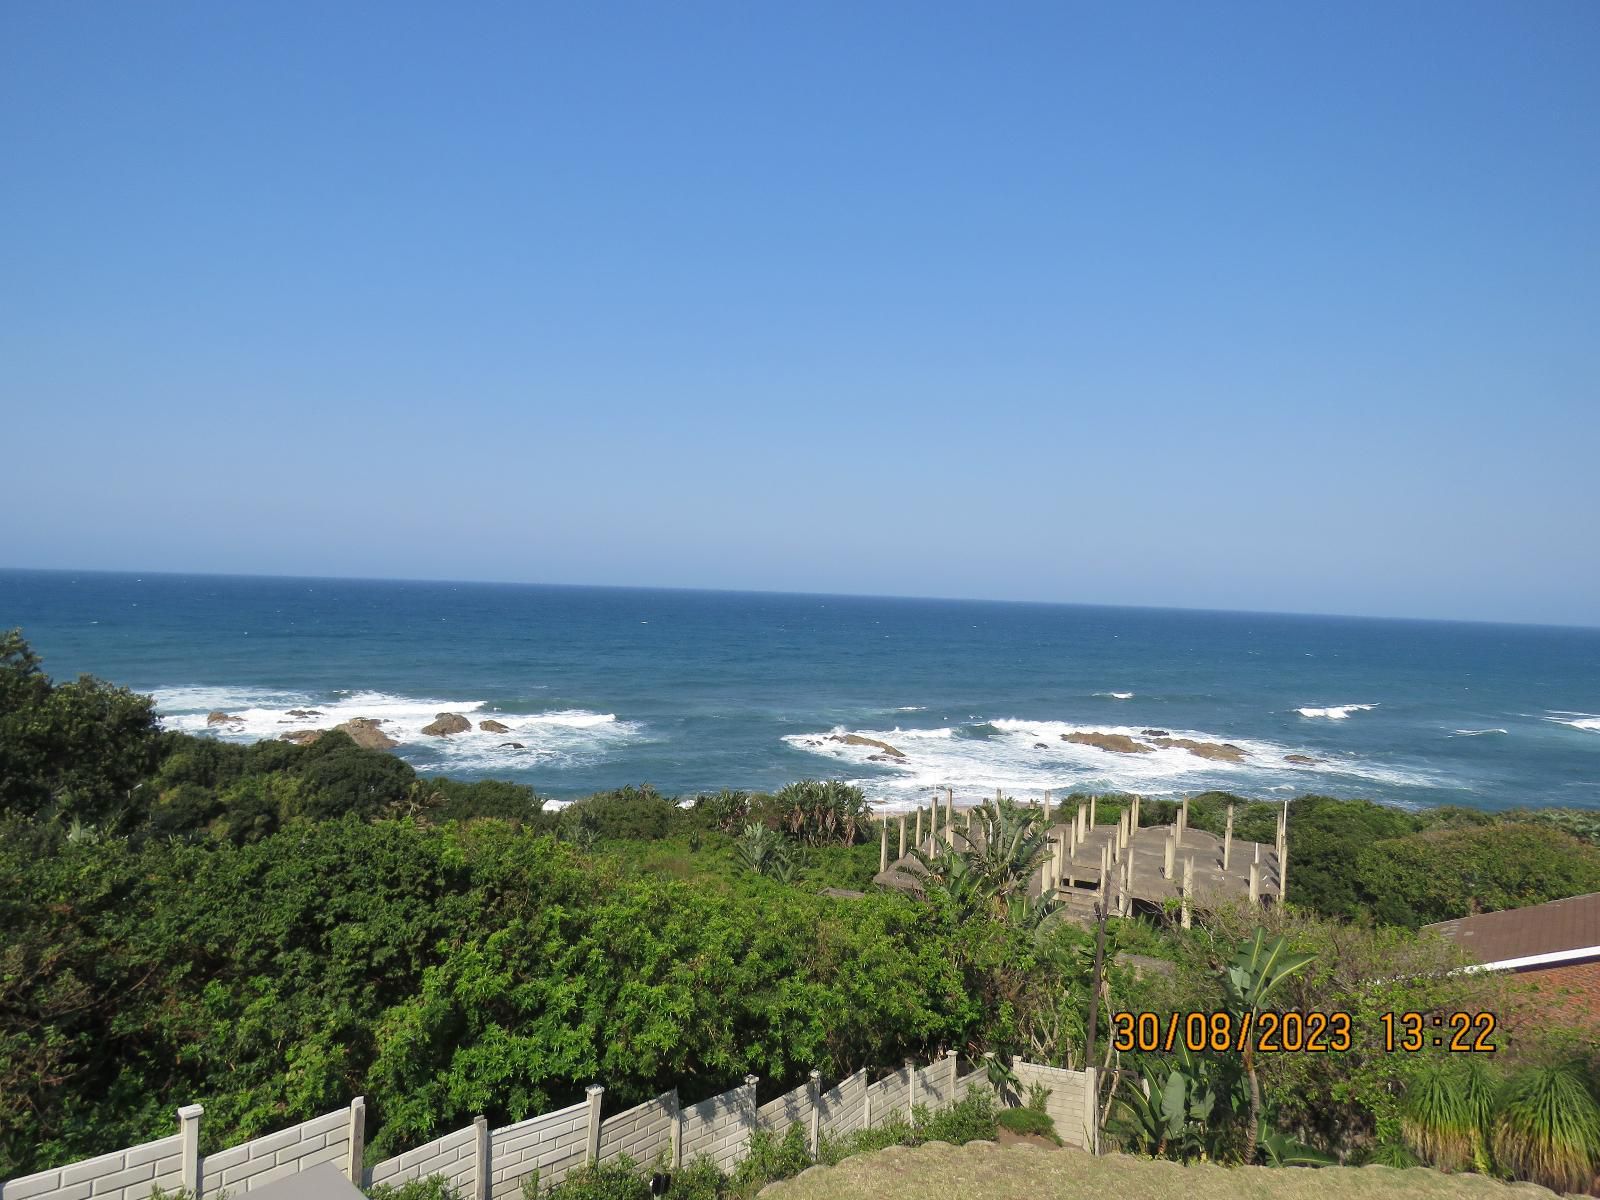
1255, 306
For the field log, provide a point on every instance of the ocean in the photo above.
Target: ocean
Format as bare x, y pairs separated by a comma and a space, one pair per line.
694, 691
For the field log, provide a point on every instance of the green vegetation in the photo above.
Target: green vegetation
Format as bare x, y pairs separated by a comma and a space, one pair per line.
271, 929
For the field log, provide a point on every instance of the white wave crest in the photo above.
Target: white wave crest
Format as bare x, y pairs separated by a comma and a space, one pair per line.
1027, 757
561, 737
1335, 712
1585, 721
1115, 695
1475, 732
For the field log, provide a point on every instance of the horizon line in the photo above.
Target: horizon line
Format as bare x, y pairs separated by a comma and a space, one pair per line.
731, 591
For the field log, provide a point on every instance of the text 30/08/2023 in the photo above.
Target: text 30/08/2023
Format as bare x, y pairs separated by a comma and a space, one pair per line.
1294, 1032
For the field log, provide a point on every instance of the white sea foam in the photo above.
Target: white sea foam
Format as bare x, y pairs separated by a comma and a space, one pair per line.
564, 737
1585, 721
1335, 712
1026, 757
1115, 695
1475, 732
912, 708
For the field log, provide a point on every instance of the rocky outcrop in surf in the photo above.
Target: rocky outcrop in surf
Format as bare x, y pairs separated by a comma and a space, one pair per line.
446, 723
493, 727
365, 733
302, 737
218, 717
1215, 751
855, 739
1117, 743
1122, 743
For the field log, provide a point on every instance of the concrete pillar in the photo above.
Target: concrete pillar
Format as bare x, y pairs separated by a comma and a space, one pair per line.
969, 822
481, 1159
866, 1100
1188, 884
883, 847
1186, 812
1047, 820
1227, 842
902, 853
933, 825
1255, 883
1061, 857
1133, 817
949, 816
1168, 855
189, 1164
1283, 871
1092, 821
911, 1090
595, 1094
751, 1113
1091, 1118
814, 1091
358, 1140
919, 827
953, 1068
1177, 826
1072, 840
677, 1128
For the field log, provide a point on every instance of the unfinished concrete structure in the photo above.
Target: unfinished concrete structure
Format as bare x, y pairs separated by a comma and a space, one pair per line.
1124, 864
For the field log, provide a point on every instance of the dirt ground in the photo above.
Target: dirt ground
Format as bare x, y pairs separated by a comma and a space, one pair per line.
1022, 1172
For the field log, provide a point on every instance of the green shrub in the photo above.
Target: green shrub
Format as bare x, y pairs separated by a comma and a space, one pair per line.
771, 1158
617, 1180
971, 1119
1025, 1121
431, 1187
699, 1180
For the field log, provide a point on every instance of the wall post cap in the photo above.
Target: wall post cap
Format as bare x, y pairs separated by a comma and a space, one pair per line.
359, 1102
191, 1112
594, 1089
752, 1080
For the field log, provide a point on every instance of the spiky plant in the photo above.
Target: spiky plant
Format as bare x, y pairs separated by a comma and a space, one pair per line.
1547, 1128
1438, 1118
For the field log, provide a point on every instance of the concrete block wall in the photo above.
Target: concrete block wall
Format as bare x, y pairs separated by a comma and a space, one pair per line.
330, 1138
1071, 1100
552, 1145
720, 1128
125, 1175
843, 1106
791, 1108
492, 1165
643, 1132
890, 1097
455, 1156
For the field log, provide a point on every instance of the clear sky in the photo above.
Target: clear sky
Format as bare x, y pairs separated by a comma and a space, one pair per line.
1266, 306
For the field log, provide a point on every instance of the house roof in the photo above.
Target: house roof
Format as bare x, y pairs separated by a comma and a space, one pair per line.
1560, 931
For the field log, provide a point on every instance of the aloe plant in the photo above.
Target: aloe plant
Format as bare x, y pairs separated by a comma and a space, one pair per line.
1255, 975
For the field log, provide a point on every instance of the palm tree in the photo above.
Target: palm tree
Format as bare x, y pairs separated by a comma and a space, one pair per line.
1548, 1128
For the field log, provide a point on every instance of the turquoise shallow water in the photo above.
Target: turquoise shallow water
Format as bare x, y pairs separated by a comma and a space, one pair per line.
699, 690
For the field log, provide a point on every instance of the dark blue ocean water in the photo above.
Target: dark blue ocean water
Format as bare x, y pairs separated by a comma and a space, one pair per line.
694, 691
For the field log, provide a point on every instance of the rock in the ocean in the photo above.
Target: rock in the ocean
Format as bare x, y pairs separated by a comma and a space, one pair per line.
1041, 745
493, 727
302, 737
1118, 743
447, 723
1305, 760
1217, 751
511, 745
302, 713
1155, 733
855, 739
217, 717
365, 733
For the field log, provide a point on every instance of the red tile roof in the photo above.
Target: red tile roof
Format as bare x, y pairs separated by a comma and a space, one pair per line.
1561, 925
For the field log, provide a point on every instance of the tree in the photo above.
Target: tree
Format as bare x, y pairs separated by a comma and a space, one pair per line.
70, 750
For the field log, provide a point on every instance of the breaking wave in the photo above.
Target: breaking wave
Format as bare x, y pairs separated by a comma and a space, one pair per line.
556, 738
1335, 712
1024, 757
